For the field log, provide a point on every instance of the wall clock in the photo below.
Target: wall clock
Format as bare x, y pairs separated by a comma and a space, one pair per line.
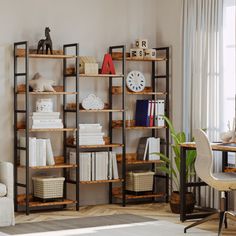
135, 81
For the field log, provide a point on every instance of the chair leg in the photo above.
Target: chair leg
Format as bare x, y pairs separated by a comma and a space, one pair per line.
225, 221
211, 217
222, 216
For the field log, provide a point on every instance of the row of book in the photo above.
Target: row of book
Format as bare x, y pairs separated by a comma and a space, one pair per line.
95, 166
90, 134
46, 120
150, 113
148, 148
40, 152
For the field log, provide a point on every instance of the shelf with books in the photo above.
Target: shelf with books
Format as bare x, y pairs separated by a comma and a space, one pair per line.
26, 153
148, 116
131, 159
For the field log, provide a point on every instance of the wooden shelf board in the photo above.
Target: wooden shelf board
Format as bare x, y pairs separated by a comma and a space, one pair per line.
140, 127
52, 203
113, 145
137, 162
142, 59
147, 93
100, 75
49, 93
102, 181
56, 166
130, 196
230, 169
51, 130
57, 54
103, 110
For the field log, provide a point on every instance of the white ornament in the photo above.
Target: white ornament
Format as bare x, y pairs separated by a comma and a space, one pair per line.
40, 84
135, 81
44, 105
92, 102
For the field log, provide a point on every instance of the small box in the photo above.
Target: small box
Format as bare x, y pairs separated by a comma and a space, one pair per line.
139, 181
150, 53
48, 187
91, 68
136, 53
141, 43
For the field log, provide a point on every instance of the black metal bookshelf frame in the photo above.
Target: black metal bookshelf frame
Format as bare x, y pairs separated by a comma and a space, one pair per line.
26, 185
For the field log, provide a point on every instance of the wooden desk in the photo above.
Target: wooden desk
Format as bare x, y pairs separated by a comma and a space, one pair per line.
184, 185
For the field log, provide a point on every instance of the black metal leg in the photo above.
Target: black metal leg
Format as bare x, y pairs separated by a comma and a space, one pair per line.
183, 184
222, 214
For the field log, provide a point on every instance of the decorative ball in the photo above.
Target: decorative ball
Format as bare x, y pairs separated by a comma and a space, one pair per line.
135, 81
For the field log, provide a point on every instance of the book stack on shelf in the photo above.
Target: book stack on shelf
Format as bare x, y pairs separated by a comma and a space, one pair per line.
150, 113
46, 120
148, 148
90, 134
95, 166
40, 152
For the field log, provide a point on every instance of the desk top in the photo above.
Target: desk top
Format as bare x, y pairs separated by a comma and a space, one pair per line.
214, 146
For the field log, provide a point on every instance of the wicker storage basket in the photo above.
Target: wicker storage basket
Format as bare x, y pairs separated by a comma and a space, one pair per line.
48, 187
139, 181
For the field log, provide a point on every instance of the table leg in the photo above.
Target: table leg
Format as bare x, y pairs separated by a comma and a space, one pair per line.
183, 153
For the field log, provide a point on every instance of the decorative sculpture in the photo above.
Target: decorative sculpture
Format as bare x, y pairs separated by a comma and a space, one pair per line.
45, 42
40, 84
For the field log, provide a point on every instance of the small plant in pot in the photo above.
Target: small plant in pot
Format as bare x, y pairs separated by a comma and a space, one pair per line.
172, 168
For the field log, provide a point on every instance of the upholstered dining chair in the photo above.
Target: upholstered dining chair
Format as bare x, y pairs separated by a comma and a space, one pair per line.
223, 182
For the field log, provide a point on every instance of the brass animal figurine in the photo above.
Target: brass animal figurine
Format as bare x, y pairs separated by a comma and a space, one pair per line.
45, 43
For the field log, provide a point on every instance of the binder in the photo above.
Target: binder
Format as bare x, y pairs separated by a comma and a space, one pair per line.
151, 116
141, 114
154, 147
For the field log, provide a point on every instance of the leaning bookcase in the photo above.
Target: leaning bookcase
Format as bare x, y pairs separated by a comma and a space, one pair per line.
154, 92
22, 58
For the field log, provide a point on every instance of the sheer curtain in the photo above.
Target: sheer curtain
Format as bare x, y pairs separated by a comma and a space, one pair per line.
207, 68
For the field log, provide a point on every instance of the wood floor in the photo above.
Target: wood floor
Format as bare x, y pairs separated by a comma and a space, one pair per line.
153, 210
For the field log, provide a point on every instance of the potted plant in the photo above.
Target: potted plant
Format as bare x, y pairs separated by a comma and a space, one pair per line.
172, 168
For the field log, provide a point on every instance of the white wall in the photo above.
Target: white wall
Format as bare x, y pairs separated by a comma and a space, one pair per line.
95, 25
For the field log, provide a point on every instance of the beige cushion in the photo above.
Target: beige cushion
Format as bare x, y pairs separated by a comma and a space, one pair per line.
3, 190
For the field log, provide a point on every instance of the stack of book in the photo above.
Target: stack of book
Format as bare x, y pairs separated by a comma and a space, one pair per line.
90, 134
150, 113
148, 148
46, 120
95, 166
40, 152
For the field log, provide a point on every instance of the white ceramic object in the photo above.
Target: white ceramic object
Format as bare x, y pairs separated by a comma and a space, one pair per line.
135, 81
141, 43
40, 84
44, 105
227, 136
92, 102
150, 54
136, 53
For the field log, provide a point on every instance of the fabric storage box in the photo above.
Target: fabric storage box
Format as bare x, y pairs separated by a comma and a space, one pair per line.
137, 181
48, 187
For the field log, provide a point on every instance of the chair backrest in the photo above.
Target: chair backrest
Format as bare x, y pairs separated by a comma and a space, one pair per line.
7, 177
204, 159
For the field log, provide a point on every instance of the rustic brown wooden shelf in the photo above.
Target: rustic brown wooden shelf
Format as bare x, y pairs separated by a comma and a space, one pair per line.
230, 169
52, 203
50, 130
140, 127
56, 166
57, 54
141, 59
102, 181
49, 93
116, 90
148, 195
113, 145
101, 75
103, 110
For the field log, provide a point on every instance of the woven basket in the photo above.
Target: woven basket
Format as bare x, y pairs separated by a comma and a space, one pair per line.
139, 181
48, 187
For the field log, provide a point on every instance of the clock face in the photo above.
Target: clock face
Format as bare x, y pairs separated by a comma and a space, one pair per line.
135, 81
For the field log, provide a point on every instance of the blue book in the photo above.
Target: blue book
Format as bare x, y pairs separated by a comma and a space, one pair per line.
141, 115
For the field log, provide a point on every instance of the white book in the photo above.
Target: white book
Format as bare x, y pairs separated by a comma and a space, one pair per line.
87, 158
154, 147
115, 167
46, 114
47, 126
49, 153
32, 152
109, 165
43, 121
93, 166
41, 152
